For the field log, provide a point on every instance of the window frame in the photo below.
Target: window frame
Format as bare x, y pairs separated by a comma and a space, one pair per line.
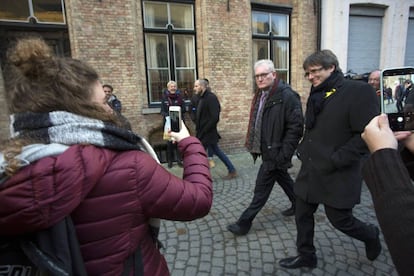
272, 39
171, 33
32, 19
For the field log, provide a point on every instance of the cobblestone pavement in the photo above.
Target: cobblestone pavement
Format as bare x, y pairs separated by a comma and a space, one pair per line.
205, 247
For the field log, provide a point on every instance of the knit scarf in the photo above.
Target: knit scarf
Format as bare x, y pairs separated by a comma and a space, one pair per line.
254, 130
318, 96
54, 132
174, 99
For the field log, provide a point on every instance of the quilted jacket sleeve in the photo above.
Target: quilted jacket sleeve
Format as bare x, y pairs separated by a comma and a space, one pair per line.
393, 195
164, 195
44, 192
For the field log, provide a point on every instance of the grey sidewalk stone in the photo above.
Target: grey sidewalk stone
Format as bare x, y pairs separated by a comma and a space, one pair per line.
205, 247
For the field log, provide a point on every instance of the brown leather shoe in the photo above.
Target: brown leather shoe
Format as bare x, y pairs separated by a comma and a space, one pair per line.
230, 176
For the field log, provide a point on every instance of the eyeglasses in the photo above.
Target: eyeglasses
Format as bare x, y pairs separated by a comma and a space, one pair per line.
313, 72
262, 76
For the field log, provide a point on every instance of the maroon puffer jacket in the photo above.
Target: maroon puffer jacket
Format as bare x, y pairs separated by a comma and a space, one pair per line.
112, 196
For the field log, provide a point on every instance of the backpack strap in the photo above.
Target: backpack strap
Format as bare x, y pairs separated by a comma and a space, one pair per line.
135, 261
56, 249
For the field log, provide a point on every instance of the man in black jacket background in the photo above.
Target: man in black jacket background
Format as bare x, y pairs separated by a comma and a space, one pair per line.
206, 120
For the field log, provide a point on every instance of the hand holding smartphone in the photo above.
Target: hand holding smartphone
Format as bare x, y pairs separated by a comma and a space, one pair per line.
175, 118
398, 82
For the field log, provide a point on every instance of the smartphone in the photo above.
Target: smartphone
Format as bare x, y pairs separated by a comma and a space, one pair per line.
175, 118
397, 97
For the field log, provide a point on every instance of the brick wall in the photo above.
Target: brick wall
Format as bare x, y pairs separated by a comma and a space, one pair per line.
108, 35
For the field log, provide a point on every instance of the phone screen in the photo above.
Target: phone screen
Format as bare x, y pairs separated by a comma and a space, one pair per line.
397, 97
175, 120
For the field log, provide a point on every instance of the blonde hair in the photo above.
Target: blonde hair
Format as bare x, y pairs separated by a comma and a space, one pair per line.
170, 83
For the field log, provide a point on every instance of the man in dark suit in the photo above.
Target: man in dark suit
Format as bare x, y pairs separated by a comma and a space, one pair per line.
207, 118
331, 151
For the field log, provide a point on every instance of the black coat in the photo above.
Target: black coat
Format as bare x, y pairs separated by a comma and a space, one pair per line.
208, 116
331, 151
282, 127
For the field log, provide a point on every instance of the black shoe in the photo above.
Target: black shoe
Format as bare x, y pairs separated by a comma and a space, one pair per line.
289, 212
237, 229
299, 261
170, 165
373, 247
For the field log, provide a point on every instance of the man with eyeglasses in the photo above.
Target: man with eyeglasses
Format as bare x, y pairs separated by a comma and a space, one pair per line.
275, 128
337, 112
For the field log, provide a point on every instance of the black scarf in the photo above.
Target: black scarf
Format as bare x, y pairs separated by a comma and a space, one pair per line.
318, 95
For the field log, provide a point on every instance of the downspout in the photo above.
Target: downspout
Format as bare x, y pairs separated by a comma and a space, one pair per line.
317, 9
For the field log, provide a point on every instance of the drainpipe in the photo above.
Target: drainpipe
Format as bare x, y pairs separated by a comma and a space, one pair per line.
317, 9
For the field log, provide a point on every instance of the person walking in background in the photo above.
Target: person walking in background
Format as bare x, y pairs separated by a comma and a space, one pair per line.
193, 107
275, 128
400, 96
388, 174
388, 94
112, 100
172, 97
207, 118
409, 96
68, 156
331, 152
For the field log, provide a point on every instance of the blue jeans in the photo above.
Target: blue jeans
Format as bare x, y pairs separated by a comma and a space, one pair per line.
214, 149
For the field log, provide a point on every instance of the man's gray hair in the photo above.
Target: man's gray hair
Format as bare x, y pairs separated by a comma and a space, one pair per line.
266, 62
203, 83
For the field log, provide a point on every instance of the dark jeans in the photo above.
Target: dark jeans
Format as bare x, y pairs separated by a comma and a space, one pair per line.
264, 184
214, 149
341, 219
399, 106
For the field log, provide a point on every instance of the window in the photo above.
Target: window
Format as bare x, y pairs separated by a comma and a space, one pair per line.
29, 11
170, 49
271, 37
364, 37
409, 49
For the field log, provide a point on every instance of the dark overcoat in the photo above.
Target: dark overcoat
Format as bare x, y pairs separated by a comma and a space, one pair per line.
331, 151
208, 115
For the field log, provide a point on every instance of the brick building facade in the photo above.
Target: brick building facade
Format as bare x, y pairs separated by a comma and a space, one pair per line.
109, 36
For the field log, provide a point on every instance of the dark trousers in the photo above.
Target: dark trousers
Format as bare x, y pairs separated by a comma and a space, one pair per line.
172, 152
341, 219
264, 184
399, 106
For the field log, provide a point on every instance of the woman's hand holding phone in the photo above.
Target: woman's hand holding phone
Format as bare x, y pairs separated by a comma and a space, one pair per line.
378, 134
178, 136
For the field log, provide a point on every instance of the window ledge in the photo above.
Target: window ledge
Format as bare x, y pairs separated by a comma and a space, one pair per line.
151, 110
